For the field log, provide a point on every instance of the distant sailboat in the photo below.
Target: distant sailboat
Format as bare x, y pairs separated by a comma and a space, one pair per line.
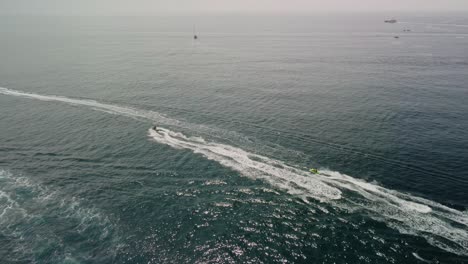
194, 34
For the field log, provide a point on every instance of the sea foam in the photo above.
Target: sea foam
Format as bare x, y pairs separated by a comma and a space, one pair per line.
441, 226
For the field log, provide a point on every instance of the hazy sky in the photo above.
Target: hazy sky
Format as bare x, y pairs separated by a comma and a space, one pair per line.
174, 7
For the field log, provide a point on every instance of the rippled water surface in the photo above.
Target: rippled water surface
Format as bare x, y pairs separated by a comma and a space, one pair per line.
243, 113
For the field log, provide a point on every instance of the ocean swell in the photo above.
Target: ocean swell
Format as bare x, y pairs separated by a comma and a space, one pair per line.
441, 226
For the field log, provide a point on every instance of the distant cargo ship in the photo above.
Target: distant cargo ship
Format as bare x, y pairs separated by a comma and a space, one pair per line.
391, 21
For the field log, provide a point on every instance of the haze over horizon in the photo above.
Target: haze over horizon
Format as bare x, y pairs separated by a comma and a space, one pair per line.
186, 7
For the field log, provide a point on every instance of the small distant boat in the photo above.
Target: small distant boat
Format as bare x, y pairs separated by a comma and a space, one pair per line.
397, 37
391, 21
195, 37
314, 171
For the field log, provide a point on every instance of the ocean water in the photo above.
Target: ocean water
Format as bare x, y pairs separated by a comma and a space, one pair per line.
243, 112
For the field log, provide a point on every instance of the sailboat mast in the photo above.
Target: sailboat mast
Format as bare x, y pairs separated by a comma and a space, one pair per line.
194, 33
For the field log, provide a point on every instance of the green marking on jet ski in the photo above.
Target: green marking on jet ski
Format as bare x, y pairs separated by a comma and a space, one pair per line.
314, 171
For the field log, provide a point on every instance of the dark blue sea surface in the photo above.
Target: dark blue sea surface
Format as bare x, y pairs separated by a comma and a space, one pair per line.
243, 113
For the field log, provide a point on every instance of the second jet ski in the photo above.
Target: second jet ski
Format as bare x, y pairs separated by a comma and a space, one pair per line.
313, 170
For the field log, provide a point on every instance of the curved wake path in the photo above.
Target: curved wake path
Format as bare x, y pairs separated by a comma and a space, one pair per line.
408, 214
441, 226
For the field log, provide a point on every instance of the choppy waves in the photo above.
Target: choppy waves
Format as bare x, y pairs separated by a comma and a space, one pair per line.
30, 212
441, 226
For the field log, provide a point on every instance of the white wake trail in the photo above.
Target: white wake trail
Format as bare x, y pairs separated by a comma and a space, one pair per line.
276, 173
109, 108
441, 226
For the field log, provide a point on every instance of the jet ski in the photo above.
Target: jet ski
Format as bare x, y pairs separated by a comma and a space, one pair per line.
157, 129
314, 171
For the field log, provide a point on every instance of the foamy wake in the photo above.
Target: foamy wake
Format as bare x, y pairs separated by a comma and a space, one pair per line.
251, 165
130, 112
441, 226
108, 108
